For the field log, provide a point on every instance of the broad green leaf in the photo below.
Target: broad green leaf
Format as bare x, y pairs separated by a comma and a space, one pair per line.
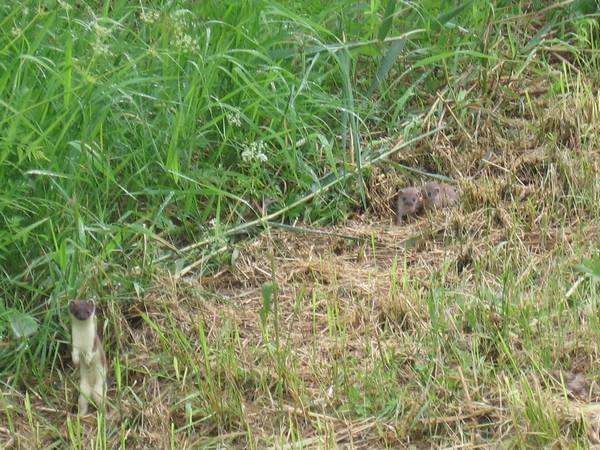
590, 267
267, 297
442, 19
22, 325
388, 18
387, 62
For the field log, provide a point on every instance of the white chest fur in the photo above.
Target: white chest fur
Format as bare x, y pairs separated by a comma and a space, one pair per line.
83, 333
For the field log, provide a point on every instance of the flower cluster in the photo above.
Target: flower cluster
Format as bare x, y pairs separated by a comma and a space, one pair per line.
149, 16
100, 48
186, 42
100, 45
65, 6
183, 40
255, 151
234, 118
101, 32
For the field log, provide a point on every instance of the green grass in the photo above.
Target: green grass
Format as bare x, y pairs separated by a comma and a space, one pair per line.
139, 142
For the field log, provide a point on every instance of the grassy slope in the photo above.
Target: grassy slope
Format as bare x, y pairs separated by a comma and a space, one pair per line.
121, 139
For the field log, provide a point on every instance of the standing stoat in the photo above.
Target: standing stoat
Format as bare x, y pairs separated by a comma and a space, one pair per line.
87, 354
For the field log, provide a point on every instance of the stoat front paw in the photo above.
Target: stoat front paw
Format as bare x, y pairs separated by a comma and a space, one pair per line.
75, 357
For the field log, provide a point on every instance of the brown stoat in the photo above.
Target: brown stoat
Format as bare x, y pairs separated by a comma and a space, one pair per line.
439, 195
87, 353
409, 202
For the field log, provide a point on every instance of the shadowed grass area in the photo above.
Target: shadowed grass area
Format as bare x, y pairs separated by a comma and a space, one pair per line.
139, 143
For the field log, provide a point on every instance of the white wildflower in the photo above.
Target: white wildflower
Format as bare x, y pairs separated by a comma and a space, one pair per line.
100, 30
255, 151
15, 31
179, 14
186, 42
234, 118
183, 40
100, 48
64, 5
247, 155
179, 21
150, 16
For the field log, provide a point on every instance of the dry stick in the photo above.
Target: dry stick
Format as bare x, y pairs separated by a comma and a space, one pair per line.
464, 384
567, 62
435, 176
299, 229
265, 219
357, 428
202, 260
462, 127
367, 424
573, 288
537, 13
458, 418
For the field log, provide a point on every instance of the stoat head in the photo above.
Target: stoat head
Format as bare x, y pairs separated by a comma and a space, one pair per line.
432, 190
82, 309
410, 197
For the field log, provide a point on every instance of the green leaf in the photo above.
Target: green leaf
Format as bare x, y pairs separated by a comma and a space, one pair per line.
267, 297
590, 267
22, 325
587, 6
387, 62
539, 36
442, 19
445, 55
388, 17
349, 116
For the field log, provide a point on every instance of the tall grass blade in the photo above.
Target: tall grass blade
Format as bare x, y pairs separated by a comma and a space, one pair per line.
388, 17
386, 63
444, 18
349, 117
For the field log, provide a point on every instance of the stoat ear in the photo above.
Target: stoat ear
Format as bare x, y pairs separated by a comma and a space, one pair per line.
91, 303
